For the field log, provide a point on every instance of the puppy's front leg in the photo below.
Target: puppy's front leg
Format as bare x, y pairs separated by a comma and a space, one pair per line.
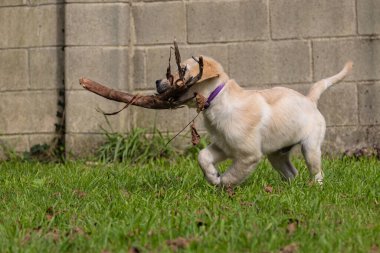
207, 159
238, 172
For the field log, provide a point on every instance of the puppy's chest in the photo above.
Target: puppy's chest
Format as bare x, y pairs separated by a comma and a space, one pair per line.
225, 131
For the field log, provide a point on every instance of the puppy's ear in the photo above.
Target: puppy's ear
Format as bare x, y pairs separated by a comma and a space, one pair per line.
210, 70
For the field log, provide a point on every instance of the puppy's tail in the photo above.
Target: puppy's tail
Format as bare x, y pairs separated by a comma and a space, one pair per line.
319, 87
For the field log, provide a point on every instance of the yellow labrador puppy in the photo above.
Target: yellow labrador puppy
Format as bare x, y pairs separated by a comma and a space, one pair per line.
245, 125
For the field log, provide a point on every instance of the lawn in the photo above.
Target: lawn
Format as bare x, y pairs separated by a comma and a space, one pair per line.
166, 205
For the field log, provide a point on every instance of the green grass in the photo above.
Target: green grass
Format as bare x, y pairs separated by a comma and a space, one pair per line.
86, 207
134, 147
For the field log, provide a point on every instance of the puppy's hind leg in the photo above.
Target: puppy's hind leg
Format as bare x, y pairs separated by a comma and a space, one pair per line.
238, 172
280, 160
207, 159
311, 150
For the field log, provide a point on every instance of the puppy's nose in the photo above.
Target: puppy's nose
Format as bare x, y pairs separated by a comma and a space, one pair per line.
160, 87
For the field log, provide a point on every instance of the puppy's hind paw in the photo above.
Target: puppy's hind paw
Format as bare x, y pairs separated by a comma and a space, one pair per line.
318, 178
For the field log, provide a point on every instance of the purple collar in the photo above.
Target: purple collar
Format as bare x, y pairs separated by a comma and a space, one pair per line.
213, 95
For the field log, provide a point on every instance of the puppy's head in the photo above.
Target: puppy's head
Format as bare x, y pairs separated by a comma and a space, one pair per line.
211, 70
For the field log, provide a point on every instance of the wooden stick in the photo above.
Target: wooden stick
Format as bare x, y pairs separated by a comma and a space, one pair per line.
148, 101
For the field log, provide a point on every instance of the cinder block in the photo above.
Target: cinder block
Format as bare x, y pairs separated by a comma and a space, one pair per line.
46, 68
342, 111
28, 112
97, 24
369, 103
270, 62
373, 136
14, 70
157, 60
13, 2
164, 120
38, 2
312, 18
83, 145
139, 70
82, 115
340, 139
227, 21
301, 88
159, 22
136, 1
330, 57
12, 143
97, 1
35, 139
106, 65
31, 26
368, 16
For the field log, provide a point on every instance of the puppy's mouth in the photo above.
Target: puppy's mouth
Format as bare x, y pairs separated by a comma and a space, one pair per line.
164, 85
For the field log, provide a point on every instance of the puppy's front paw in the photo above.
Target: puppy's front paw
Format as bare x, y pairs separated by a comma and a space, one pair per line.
214, 179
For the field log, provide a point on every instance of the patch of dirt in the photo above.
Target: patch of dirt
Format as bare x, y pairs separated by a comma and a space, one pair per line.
292, 226
37, 230
51, 213
268, 189
26, 239
247, 203
79, 193
134, 250
230, 191
290, 248
53, 235
374, 249
29, 233
75, 232
178, 243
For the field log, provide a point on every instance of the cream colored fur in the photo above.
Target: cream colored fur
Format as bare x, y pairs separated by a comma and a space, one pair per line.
245, 125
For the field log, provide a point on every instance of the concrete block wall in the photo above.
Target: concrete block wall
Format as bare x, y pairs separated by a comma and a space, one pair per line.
31, 71
125, 44
98, 47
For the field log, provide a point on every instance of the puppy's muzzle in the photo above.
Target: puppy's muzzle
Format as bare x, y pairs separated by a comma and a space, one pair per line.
162, 86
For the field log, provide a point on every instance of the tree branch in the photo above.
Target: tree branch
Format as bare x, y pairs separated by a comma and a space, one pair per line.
169, 99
